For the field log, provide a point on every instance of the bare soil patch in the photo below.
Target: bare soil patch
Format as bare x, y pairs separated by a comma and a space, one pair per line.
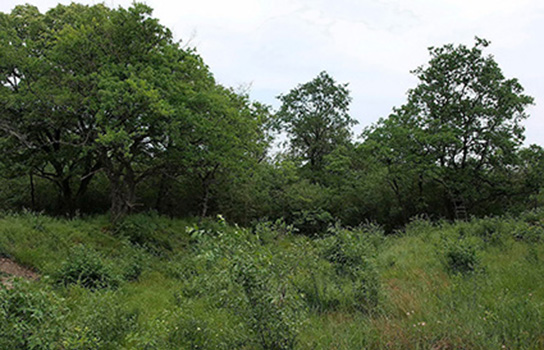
9, 269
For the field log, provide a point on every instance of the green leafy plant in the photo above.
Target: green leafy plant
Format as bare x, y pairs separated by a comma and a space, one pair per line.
462, 257
97, 321
272, 309
88, 268
312, 222
31, 318
145, 231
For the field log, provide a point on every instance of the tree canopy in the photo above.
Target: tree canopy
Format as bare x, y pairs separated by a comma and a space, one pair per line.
316, 117
88, 89
102, 108
461, 126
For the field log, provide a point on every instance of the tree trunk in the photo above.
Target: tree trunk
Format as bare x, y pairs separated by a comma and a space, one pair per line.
118, 203
123, 194
32, 193
68, 203
205, 200
86, 180
207, 181
161, 193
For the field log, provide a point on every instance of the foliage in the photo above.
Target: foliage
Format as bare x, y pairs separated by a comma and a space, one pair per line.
86, 267
144, 231
102, 107
315, 116
206, 328
272, 311
132, 104
31, 317
312, 222
96, 320
224, 287
459, 131
461, 257
352, 254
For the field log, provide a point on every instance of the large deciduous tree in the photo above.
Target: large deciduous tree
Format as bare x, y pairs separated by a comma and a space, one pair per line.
46, 120
316, 117
146, 83
460, 127
88, 88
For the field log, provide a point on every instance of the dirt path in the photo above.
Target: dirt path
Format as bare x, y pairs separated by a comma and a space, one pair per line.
10, 269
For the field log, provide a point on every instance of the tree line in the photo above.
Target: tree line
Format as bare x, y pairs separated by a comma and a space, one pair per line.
101, 110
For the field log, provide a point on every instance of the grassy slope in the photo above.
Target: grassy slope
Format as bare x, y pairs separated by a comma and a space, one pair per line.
218, 286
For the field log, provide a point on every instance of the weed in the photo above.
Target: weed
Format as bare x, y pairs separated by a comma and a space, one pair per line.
462, 257
31, 317
88, 268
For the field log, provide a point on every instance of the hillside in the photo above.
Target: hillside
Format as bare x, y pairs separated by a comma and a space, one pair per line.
157, 283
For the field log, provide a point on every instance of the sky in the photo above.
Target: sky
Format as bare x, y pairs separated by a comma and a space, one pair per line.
269, 47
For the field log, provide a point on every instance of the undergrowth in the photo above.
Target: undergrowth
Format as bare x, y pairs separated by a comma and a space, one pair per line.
157, 283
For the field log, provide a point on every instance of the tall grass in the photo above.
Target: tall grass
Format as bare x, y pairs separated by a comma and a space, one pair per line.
158, 283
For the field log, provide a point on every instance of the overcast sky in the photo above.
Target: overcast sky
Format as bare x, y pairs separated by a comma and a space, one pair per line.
272, 46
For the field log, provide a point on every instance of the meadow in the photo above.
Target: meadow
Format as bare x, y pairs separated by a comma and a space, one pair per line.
150, 282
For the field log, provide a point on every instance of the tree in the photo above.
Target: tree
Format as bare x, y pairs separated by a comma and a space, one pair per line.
532, 174
146, 87
87, 89
460, 127
46, 127
315, 117
226, 143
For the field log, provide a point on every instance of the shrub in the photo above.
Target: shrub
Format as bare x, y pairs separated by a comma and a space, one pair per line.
30, 318
202, 327
533, 217
349, 250
324, 290
133, 264
269, 231
345, 277
462, 257
97, 321
528, 232
419, 225
490, 230
312, 222
145, 231
87, 267
272, 310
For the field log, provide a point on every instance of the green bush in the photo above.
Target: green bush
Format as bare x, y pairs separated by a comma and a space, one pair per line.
199, 326
87, 267
528, 232
145, 231
343, 276
30, 318
269, 231
462, 257
312, 222
324, 290
272, 310
533, 217
490, 230
96, 321
351, 249
133, 263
